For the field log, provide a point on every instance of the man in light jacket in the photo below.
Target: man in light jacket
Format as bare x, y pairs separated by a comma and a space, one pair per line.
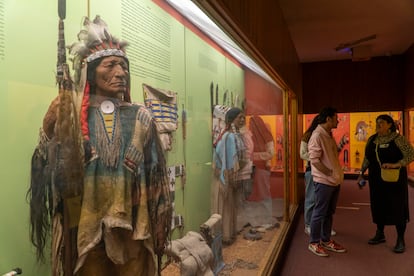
327, 176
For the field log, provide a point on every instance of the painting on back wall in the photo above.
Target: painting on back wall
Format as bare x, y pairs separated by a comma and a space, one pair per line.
352, 133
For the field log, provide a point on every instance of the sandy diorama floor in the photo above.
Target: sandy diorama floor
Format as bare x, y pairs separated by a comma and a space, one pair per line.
245, 257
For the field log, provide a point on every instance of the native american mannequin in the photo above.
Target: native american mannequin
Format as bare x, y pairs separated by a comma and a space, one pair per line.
229, 157
121, 221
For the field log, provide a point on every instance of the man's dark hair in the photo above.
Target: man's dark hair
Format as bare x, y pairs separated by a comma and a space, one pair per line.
308, 133
325, 113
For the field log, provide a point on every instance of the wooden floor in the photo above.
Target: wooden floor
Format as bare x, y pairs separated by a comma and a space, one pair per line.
354, 227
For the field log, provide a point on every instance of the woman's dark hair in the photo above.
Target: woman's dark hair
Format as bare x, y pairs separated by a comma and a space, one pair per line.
389, 120
315, 122
325, 113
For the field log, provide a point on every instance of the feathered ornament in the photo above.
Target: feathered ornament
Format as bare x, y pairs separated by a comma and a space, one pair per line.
97, 31
94, 41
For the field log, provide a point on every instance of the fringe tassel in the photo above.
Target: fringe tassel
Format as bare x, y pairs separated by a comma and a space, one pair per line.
159, 201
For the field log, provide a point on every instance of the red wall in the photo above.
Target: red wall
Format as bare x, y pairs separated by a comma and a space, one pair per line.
262, 97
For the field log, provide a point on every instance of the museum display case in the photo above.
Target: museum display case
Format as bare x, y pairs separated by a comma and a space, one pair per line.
183, 71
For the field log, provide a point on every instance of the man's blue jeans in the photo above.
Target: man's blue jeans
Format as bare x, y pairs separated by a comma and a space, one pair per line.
326, 198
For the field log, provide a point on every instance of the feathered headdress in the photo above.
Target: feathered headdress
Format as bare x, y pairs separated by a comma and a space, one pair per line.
94, 42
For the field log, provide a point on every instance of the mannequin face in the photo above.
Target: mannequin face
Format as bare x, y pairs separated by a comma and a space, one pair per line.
112, 76
239, 121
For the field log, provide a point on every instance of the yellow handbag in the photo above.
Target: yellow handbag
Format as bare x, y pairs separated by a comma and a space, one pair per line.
388, 175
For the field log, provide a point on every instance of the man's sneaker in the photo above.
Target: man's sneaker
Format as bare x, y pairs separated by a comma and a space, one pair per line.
317, 249
333, 246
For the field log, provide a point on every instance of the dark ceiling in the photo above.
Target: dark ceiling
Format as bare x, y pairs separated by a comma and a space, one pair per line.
361, 28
